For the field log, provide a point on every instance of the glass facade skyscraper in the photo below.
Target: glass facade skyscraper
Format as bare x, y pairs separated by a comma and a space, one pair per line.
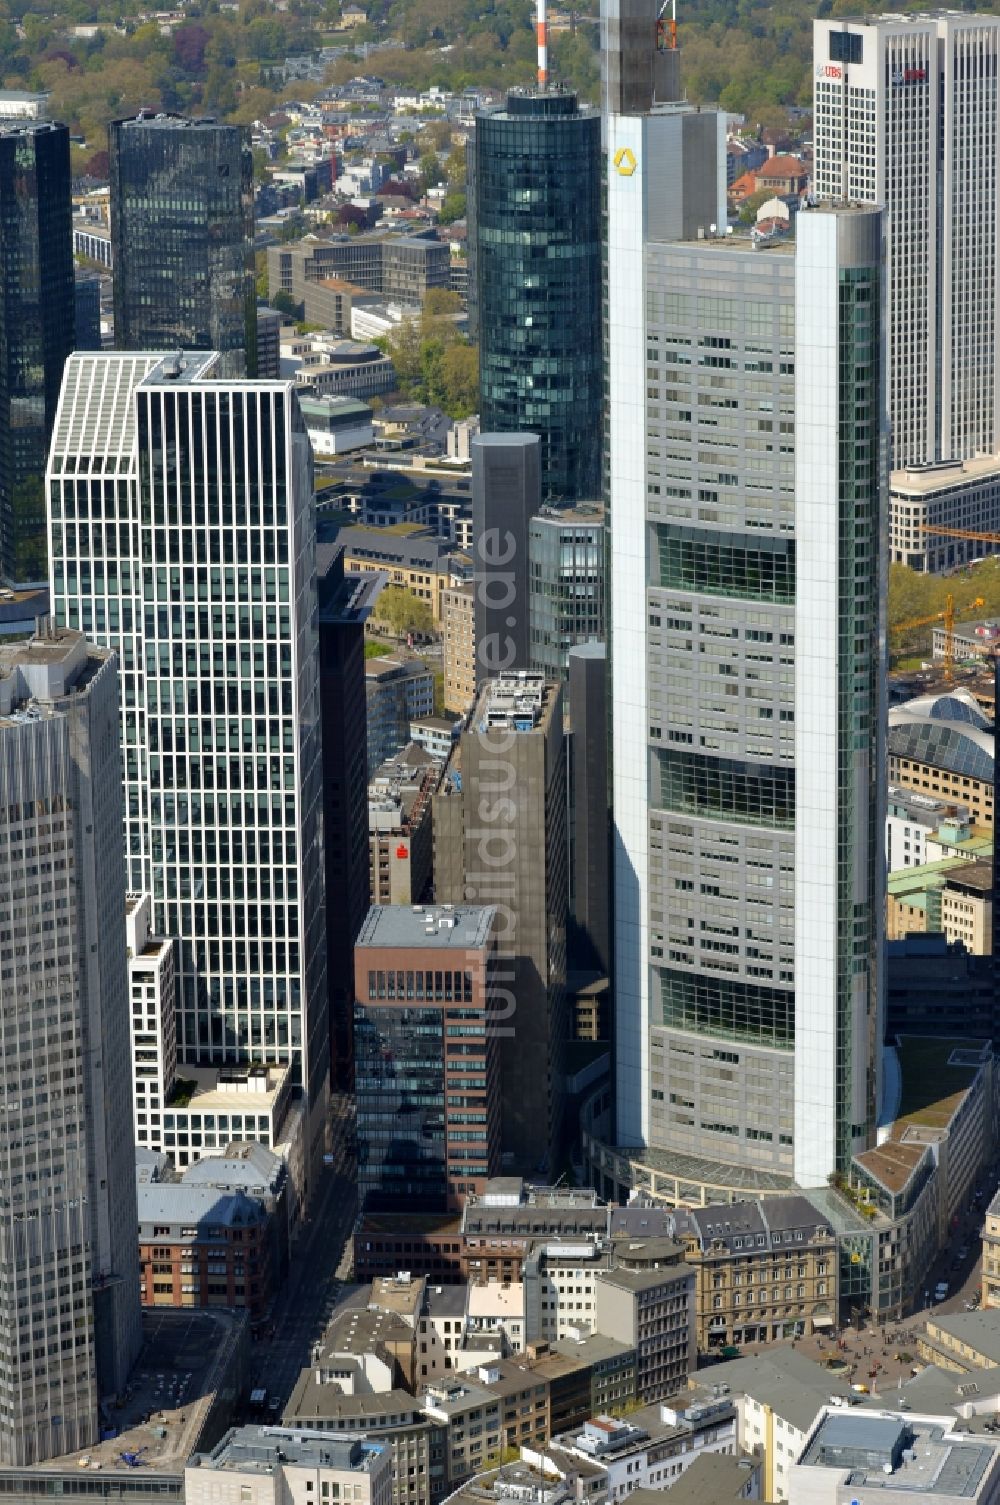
537, 228
37, 323
182, 238
182, 536
565, 585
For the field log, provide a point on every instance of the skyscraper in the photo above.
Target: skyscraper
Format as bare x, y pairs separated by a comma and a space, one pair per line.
182, 238
506, 494
906, 117
37, 321
537, 229
500, 838
748, 445
69, 1294
182, 535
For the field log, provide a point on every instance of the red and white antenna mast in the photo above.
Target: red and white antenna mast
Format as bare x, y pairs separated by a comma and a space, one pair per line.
542, 32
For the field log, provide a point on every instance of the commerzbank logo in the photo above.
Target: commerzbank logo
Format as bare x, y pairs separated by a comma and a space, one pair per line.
624, 160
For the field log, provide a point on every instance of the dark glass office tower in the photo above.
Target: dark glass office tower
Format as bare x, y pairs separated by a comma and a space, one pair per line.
37, 320
536, 212
182, 238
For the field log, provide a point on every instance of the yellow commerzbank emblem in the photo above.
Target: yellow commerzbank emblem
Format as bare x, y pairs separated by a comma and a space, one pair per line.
625, 161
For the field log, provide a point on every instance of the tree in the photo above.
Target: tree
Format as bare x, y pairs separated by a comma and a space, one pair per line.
453, 207
459, 377
403, 612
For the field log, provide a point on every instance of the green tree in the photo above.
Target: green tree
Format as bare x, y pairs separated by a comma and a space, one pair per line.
402, 612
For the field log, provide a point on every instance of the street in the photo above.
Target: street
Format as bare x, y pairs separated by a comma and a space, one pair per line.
300, 1308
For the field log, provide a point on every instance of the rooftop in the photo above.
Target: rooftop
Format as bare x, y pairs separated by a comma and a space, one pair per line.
645, 1280
208, 1207
257, 1449
791, 1384
936, 1075
711, 1479
979, 1331
434, 927
912, 1454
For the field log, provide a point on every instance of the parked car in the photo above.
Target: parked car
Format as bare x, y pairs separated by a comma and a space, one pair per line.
941, 1290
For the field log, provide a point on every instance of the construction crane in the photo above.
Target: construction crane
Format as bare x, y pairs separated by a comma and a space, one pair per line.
666, 31
959, 533
949, 616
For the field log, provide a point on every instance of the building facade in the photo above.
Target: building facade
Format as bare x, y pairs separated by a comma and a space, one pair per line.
745, 545
427, 1068
566, 586
458, 631
37, 326
152, 977
536, 222
500, 837
69, 1331
905, 117
205, 587
506, 494
200, 1246
184, 263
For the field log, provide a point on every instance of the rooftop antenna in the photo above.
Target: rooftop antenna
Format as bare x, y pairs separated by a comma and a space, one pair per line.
542, 31
666, 31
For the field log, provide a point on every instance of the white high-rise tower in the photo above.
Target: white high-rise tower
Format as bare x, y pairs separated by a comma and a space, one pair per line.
182, 535
906, 116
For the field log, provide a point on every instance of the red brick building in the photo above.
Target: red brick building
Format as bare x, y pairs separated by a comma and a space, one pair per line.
199, 1246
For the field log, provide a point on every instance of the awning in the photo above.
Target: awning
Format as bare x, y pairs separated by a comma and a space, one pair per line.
820, 1321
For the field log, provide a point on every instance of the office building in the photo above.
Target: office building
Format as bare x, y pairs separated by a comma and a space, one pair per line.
458, 631
204, 1246
590, 829
344, 604
399, 826
37, 324
152, 978
401, 267
536, 222
942, 746
500, 838
87, 295
182, 238
69, 1277
736, 572
506, 494
398, 691
653, 1311
930, 1458
905, 117
202, 577
268, 1465
566, 589
427, 1067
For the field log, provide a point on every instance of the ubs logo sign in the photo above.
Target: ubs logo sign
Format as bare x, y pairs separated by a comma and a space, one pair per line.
830, 70
910, 76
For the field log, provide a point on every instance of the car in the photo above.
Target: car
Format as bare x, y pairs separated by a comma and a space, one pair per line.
962, 1254
941, 1290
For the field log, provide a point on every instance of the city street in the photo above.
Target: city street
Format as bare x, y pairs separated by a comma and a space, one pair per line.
300, 1309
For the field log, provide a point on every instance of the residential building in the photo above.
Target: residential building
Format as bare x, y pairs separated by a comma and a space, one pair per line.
653, 1311
38, 310
345, 600
506, 494
765, 1270
199, 1246
903, 118
929, 1458
152, 976
534, 215
400, 846
942, 746
498, 1308
271, 1465
184, 264
398, 691
470, 1412
68, 1158
513, 747
427, 1067
211, 608
413, 558
566, 586
559, 1279
458, 631
725, 909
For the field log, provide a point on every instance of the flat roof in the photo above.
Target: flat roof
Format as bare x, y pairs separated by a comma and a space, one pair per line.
256, 1449
923, 480
432, 927
918, 1455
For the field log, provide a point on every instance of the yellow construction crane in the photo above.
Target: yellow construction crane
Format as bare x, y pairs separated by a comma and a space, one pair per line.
959, 533
949, 617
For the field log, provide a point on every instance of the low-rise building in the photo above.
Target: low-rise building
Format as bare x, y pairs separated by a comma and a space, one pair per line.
991, 1255
412, 556
536, 1478
653, 1447
961, 1341
498, 1307
471, 1413
951, 897
336, 425
764, 1270
418, 1445
199, 1246
952, 495
559, 1276
942, 745
262, 1174
909, 820
652, 1311
436, 734
912, 1459
712, 1479
400, 843
397, 691
282, 1466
